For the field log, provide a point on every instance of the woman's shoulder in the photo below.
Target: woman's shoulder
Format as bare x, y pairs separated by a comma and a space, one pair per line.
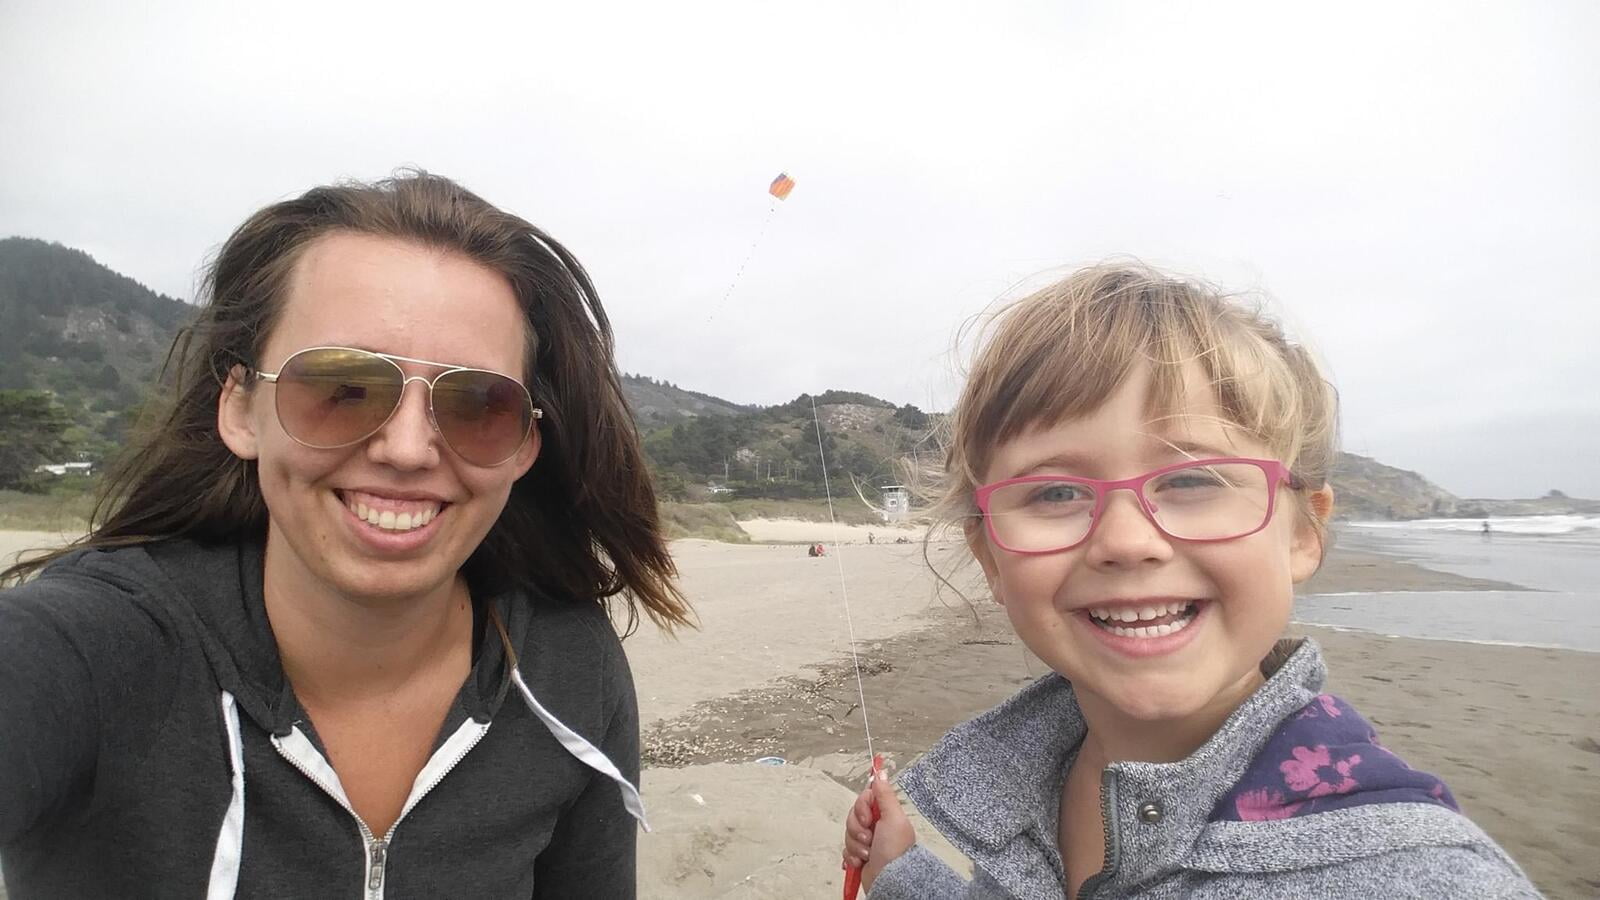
133, 567
103, 582
553, 620
107, 603
564, 635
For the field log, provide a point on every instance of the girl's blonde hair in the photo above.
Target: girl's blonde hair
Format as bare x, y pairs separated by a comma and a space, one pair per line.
1060, 352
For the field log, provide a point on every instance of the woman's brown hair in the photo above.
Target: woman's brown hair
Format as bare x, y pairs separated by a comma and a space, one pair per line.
582, 523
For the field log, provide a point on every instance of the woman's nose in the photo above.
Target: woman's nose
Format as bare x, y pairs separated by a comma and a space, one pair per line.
409, 439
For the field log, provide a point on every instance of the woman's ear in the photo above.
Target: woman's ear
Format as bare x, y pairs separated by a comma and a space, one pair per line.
1305, 551
529, 452
234, 420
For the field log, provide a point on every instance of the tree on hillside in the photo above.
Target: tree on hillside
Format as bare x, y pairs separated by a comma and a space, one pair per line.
911, 417
32, 431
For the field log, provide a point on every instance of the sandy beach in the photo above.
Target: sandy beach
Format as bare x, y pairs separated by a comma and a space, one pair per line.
14, 543
1515, 731
800, 531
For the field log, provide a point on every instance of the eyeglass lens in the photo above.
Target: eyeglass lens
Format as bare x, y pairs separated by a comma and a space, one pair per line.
1216, 501
332, 397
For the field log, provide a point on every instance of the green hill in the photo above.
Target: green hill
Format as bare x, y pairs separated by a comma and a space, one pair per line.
773, 452
656, 403
94, 339
73, 327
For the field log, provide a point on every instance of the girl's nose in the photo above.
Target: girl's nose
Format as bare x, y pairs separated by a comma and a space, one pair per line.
408, 440
1124, 536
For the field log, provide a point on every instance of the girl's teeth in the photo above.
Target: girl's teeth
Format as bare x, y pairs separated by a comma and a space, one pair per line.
1109, 618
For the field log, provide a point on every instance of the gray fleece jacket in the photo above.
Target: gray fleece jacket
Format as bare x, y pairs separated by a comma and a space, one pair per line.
150, 746
1292, 797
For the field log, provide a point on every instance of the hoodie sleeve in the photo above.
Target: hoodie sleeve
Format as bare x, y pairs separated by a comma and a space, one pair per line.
918, 875
75, 652
593, 848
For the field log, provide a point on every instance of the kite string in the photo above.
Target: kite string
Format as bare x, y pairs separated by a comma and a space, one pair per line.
844, 590
738, 274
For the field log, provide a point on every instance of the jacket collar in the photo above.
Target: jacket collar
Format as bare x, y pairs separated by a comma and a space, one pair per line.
993, 785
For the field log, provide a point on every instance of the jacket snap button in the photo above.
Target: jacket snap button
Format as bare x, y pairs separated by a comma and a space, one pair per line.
1150, 812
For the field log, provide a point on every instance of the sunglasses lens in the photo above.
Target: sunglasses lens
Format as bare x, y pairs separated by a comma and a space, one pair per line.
485, 417
333, 398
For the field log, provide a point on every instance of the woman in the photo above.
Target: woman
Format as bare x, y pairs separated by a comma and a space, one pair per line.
341, 626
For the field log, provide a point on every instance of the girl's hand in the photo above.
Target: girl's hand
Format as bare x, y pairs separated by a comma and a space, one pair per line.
874, 844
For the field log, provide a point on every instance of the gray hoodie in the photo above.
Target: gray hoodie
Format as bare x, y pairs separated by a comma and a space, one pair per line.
1292, 797
152, 747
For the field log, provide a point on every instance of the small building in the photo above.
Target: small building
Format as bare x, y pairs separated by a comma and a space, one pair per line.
71, 468
896, 503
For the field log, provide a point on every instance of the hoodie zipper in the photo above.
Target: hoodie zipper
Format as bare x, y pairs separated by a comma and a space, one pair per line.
1108, 870
376, 858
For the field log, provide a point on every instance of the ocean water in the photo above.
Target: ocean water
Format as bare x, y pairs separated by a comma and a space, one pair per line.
1557, 558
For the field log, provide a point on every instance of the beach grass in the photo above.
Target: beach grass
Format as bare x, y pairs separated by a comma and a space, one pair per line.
847, 509
65, 508
712, 521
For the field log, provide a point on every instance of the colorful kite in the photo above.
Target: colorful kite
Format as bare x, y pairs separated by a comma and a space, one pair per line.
781, 186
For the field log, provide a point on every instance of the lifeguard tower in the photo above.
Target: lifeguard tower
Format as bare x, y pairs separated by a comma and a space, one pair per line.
896, 503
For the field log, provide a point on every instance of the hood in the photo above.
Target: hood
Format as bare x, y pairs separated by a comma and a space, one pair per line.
1324, 757
220, 586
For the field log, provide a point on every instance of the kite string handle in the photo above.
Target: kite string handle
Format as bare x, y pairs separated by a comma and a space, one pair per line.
852, 874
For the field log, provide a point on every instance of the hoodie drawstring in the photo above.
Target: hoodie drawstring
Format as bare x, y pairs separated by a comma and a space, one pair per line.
230, 839
587, 753
575, 743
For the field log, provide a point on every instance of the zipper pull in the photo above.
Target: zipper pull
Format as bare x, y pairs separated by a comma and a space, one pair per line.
375, 880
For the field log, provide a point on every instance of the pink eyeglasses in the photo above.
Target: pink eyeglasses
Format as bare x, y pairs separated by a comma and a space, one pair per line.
1200, 500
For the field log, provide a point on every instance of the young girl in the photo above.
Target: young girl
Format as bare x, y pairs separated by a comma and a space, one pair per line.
1141, 469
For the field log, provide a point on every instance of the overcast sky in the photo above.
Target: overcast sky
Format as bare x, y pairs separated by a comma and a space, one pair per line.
1415, 185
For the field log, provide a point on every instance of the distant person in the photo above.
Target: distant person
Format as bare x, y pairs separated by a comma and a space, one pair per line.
1143, 522
340, 628
870, 538
1486, 528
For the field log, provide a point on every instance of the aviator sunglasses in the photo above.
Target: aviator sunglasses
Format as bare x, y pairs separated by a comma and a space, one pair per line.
331, 397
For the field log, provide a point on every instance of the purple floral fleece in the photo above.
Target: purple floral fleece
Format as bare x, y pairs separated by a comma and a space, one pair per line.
1322, 758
